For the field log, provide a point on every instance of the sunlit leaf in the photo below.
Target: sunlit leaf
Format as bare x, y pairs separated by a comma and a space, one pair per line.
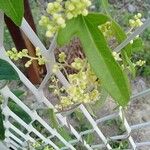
13, 9
98, 54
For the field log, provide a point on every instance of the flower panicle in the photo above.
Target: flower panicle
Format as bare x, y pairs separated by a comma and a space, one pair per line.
15, 55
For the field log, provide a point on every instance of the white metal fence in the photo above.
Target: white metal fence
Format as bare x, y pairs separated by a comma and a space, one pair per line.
12, 140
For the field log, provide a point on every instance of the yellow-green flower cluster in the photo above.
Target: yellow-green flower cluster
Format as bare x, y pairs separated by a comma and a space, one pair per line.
41, 60
78, 63
55, 24
56, 19
55, 7
39, 145
44, 21
73, 8
106, 29
62, 57
55, 68
136, 22
83, 86
59, 12
15, 55
140, 63
117, 56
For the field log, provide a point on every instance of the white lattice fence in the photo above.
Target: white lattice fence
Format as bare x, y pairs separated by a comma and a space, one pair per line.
20, 139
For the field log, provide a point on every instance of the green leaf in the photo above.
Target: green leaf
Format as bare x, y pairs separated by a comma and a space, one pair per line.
2, 129
54, 124
7, 72
101, 101
17, 109
98, 54
14, 9
119, 33
79, 115
90, 138
127, 50
64, 133
121, 36
97, 19
137, 45
53, 119
131, 67
18, 93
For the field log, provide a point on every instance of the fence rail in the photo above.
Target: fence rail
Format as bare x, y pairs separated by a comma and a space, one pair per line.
12, 138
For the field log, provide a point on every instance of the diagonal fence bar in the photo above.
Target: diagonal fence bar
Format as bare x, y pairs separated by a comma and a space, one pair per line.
34, 116
133, 35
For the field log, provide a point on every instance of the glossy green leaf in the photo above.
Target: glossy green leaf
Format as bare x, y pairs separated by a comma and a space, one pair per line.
120, 35
7, 72
98, 54
2, 129
14, 9
137, 45
97, 19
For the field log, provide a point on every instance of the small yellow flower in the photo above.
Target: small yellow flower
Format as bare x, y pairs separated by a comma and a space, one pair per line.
131, 42
60, 12
78, 63
132, 22
139, 15
140, 63
136, 22
106, 29
28, 63
55, 68
117, 56
62, 57
44, 21
15, 55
